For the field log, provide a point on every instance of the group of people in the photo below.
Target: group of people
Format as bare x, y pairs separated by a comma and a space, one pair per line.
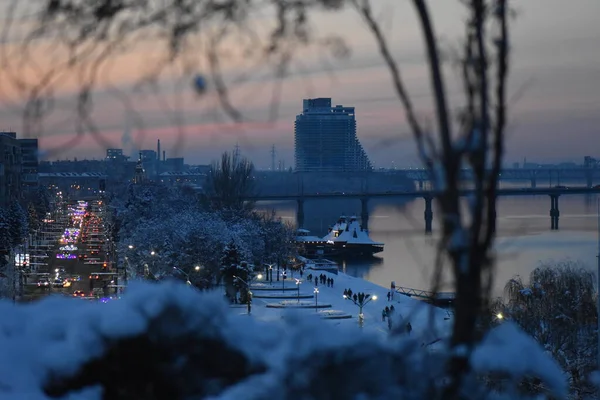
323, 279
388, 313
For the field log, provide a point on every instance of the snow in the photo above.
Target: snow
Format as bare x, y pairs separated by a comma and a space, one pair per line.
507, 348
406, 308
350, 231
55, 337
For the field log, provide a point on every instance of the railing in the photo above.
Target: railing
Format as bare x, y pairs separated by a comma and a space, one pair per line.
425, 294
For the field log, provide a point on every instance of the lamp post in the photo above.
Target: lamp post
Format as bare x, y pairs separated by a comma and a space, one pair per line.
187, 276
360, 300
298, 282
269, 272
316, 292
283, 278
248, 292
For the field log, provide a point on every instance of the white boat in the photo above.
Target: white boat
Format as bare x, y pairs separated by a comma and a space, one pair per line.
347, 237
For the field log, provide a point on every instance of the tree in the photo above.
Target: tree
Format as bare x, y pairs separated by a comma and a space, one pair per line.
474, 140
467, 238
18, 224
229, 184
32, 218
557, 307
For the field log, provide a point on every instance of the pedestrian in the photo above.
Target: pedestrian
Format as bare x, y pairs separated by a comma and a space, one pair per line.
408, 328
383, 315
309, 277
387, 311
392, 309
331, 282
316, 281
301, 272
345, 292
389, 295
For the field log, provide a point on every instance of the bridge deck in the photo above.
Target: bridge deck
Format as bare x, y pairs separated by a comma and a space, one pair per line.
427, 193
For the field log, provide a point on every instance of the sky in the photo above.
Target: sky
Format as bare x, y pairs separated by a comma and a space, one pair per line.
554, 90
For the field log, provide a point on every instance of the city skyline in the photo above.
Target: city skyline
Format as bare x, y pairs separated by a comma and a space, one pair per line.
554, 86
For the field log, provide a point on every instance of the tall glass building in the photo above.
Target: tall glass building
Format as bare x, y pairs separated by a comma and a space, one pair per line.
325, 139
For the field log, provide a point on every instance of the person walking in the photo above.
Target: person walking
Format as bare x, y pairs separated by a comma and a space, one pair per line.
389, 295
408, 328
383, 315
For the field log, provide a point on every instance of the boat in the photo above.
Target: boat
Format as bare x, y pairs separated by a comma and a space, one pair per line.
346, 238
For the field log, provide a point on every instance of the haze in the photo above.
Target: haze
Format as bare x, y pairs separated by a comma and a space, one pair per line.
554, 82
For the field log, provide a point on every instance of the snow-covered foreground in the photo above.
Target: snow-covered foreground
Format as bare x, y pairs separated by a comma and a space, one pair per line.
168, 341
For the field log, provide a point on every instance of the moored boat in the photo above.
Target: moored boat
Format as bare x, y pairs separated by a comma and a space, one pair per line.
346, 238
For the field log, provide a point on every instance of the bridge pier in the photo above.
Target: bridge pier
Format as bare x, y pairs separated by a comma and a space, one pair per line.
533, 182
554, 212
428, 214
300, 213
364, 212
589, 177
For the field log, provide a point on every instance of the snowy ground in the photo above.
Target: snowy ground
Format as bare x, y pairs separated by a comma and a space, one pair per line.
429, 322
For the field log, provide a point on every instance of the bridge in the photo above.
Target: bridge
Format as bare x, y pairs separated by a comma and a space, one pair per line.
588, 174
439, 299
428, 196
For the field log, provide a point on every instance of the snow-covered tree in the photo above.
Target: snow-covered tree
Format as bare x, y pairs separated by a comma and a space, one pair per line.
18, 223
33, 218
557, 307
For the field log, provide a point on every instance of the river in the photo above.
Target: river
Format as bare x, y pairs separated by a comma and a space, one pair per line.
524, 236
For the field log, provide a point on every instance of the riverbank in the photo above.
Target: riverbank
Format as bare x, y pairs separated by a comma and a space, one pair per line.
428, 322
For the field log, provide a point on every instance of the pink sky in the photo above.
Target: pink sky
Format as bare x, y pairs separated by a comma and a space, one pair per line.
556, 58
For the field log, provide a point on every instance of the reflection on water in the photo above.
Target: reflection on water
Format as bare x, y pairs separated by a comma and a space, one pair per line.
524, 235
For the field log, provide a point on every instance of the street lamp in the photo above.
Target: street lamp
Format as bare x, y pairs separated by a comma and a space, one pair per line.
187, 276
248, 292
298, 282
360, 300
316, 292
283, 278
269, 273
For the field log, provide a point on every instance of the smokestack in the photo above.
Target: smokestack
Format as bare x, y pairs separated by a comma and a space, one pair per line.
158, 150
164, 155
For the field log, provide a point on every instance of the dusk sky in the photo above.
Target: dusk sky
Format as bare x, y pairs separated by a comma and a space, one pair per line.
554, 79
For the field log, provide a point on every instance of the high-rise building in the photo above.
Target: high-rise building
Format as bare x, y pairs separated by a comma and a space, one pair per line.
10, 168
325, 139
29, 164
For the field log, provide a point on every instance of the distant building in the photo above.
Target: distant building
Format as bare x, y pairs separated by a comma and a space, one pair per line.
29, 164
115, 155
174, 164
140, 173
10, 168
326, 140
